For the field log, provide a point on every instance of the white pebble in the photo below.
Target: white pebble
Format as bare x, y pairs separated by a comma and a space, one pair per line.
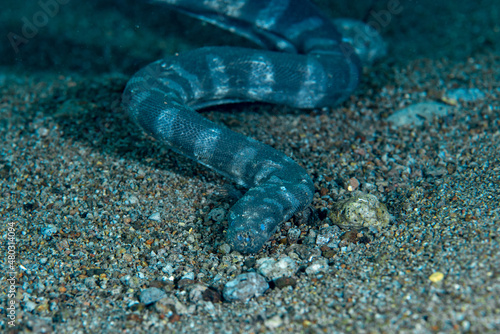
131, 200
48, 231
272, 269
43, 132
29, 306
416, 114
151, 295
189, 276
317, 267
155, 216
244, 287
274, 322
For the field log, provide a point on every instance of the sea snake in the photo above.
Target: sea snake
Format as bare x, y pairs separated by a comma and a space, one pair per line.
302, 64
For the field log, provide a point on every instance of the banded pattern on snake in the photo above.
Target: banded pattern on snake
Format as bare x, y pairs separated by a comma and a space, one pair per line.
304, 64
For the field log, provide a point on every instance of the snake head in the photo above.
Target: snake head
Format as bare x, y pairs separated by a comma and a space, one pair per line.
248, 232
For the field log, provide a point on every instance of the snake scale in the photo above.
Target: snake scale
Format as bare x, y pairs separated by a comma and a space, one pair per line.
302, 64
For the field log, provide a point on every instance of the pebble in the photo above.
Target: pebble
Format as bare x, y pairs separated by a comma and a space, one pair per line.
43, 132
224, 249
201, 292
163, 307
316, 267
189, 276
175, 304
273, 322
131, 200
132, 282
465, 94
272, 269
40, 287
168, 268
353, 184
48, 230
29, 306
151, 295
436, 277
155, 216
133, 305
127, 257
90, 282
81, 287
416, 114
283, 282
244, 287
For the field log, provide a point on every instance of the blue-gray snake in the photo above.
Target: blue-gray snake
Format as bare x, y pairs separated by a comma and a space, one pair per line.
303, 63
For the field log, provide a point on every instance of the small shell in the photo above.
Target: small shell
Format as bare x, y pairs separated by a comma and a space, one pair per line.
361, 210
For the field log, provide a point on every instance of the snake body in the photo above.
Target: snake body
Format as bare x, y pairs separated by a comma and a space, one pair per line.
304, 65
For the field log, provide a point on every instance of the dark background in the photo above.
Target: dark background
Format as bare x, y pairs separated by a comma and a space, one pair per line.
123, 35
